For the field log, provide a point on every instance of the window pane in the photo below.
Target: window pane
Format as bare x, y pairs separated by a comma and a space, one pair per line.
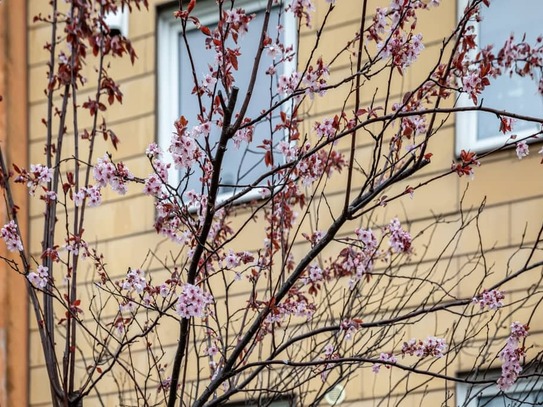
514, 94
514, 399
240, 166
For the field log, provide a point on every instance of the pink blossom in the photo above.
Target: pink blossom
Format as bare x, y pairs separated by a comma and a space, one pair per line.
400, 240
94, 194
49, 196
153, 151
39, 175
212, 350
431, 346
105, 172
39, 278
244, 134
238, 20
367, 237
287, 83
522, 149
293, 306
315, 79
202, 130
511, 356
164, 290
152, 185
231, 260
11, 236
384, 357
135, 280
329, 350
192, 302
184, 150
75, 245
128, 307
209, 82
315, 273
402, 48
327, 128
350, 326
302, 9
491, 299
79, 197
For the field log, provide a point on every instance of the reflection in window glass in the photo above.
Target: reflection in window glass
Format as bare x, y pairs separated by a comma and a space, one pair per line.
515, 94
240, 166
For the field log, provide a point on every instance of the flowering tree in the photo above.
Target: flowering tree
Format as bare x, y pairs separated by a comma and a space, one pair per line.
336, 284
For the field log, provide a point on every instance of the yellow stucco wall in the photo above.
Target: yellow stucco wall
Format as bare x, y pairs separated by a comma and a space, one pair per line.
122, 227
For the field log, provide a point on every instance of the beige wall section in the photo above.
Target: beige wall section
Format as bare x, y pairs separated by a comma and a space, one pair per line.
13, 136
122, 227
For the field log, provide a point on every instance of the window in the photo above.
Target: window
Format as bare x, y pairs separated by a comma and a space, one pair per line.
175, 83
479, 131
283, 402
524, 393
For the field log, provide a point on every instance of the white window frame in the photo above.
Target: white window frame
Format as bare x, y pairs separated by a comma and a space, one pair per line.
490, 390
467, 122
168, 31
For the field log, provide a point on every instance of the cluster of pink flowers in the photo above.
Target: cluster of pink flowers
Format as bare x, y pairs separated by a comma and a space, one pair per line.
491, 299
40, 277
511, 355
399, 239
328, 128
192, 302
313, 167
302, 9
184, 149
350, 326
329, 354
11, 236
93, 193
473, 83
154, 182
116, 175
153, 151
411, 125
431, 346
384, 357
367, 237
522, 149
135, 280
75, 245
39, 175
287, 83
128, 307
403, 48
298, 307
169, 224
315, 79
244, 134
153, 185
314, 273
238, 20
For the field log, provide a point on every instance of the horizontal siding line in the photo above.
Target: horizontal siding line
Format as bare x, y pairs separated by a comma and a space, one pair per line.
110, 123
135, 39
410, 221
92, 90
173, 345
263, 290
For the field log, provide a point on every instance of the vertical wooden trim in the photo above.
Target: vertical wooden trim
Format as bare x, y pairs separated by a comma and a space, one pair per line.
14, 138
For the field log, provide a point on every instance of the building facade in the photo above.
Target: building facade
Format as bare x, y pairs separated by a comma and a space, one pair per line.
122, 227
